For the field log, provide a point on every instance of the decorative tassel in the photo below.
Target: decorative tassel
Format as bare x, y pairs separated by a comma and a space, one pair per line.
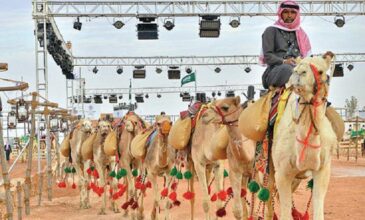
165, 192
173, 196
125, 205
188, 195
95, 174
264, 194
296, 214
89, 171
112, 174
243, 192
134, 205
253, 186
148, 184
225, 173
73, 186
222, 195
135, 173
221, 212
188, 175
250, 218
179, 175
275, 217
310, 184
305, 216
174, 186
229, 191
173, 171
214, 197
177, 203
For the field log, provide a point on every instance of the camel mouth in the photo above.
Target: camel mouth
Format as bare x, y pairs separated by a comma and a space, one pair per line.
104, 134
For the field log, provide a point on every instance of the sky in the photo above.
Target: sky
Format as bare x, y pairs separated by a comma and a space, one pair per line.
98, 37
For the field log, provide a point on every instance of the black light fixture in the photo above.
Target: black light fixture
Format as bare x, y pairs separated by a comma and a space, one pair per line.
188, 70
147, 30
139, 98
98, 99
186, 97
158, 70
339, 21
113, 98
235, 22
251, 92
217, 70
213, 94
201, 96
146, 96
210, 26
95, 70
87, 99
169, 24
120, 97
219, 93
158, 95
105, 97
230, 93
139, 72
350, 66
12, 120
248, 69
338, 72
22, 112
77, 24
118, 24
173, 72
120, 70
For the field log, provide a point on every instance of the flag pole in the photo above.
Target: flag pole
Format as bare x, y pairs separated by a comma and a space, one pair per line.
196, 87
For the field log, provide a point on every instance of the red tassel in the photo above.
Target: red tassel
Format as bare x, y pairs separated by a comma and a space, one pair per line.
111, 191
115, 196
73, 186
174, 186
177, 203
139, 185
139, 178
96, 174
250, 218
188, 195
88, 187
164, 192
214, 197
134, 205
148, 184
305, 216
63, 184
88, 171
209, 190
120, 186
125, 205
173, 196
92, 185
230, 191
296, 214
275, 217
101, 190
222, 195
221, 212
243, 193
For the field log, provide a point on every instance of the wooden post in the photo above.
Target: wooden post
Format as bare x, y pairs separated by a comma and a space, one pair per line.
58, 167
357, 137
4, 167
27, 182
48, 147
19, 192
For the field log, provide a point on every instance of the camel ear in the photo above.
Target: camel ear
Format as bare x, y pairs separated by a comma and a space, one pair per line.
328, 56
237, 101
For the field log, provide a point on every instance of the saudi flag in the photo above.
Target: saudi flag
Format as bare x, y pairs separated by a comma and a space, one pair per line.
188, 78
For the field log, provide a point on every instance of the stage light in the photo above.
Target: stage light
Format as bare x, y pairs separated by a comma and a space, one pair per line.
77, 24
230, 93
234, 23
219, 93
120, 96
120, 70
186, 97
97, 99
95, 70
146, 96
338, 72
158, 70
147, 30
188, 70
173, 72
113, 98
118, 24
169, 24
210, 26
217, 70
251, 92
247, 69
139, 98
158, 95
139, 72
213, 94
339, 21
350, 67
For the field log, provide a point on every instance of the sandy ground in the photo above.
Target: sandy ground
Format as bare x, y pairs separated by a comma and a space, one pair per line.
343, 201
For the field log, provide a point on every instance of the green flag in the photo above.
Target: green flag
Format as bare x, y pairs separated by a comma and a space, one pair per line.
188, 78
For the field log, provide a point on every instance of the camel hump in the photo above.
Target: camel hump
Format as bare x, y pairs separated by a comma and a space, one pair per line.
337, 123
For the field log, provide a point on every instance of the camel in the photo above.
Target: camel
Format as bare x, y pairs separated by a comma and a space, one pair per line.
131, 125
103, 163
78, 136
159, 157
202, 160
305, 137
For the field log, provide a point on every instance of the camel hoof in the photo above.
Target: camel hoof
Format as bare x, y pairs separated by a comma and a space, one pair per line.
102, 212
125, 215
116, 210
140, 216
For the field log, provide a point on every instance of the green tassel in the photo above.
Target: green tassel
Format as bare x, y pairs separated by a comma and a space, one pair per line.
264, 194
179, 175
310, 184
65, 170
225, 173
92, 168
122, 172
253, 186
188, 175
112, 174
135, 172
173, 171
73, 170
118, 176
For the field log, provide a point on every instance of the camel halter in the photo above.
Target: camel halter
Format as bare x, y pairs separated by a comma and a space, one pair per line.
316, 104
220, 113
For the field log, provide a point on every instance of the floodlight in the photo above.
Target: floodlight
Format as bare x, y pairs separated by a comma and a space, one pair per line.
217, 70
339, 21
248, 69
158, 70
120, 70
95, 70
118, 24
139, 72
188, 70
235, 23
77, 24
97, 99
173, 72
147, 30
338, 72
230, 93
113, 98
169, 24
350, 67
210, 26
158, 95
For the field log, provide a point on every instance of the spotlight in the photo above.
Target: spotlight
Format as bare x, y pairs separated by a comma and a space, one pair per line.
113, 98
118, 24
77, 24
213, 94
97, 99
147, 30
173, 72
139, 72
219, 93
186, 97
339, 21
217, 70
235, 23
158, 70
95, 70
105, 97
120, 97
210, 26
169, 24
350, 67
139, 98
188, 70
146, 96
158, 95
120, 70
251, 92
338, 72
247, 69
230, 93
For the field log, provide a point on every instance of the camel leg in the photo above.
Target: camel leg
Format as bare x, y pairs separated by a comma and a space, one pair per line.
191, 182
80, 184
101, 172
201, 172
125, 163
86, 183
218, 177
283, 184
236, 180
244, 183
271, 187
320, 185
155, 194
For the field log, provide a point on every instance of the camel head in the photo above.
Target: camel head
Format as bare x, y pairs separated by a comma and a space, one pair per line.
86, 125
163, 124
104, 127
224, 111
309, 78
133, 123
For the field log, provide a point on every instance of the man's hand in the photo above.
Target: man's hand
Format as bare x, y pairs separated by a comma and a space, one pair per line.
290, 61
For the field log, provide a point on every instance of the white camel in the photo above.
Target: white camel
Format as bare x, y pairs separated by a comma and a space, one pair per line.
305, 138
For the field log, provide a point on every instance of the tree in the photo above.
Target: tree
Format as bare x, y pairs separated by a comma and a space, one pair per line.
351, 106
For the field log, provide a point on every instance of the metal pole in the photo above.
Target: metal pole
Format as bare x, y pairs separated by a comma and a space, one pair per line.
357, 137
48, 146
196, 86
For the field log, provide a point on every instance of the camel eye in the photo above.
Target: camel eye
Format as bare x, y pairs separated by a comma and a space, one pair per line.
225, 108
